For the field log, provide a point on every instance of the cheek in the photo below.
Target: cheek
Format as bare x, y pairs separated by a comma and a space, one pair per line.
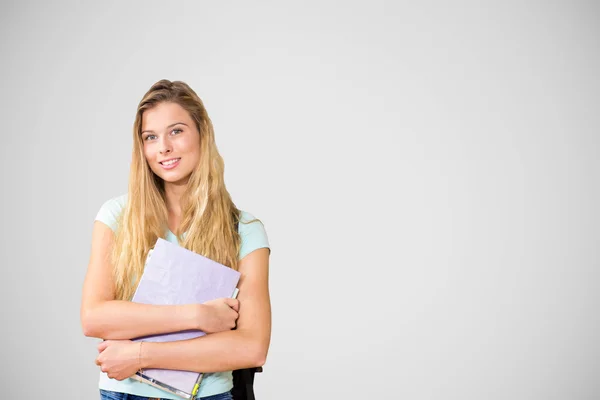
149, 155
191, 147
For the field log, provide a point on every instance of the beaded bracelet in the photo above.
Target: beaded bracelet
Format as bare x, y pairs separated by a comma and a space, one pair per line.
140, 358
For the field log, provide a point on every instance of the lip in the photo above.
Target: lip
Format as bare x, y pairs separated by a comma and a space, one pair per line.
172, 165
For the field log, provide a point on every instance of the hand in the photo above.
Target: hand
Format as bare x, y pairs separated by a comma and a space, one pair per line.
218, 315
118, 358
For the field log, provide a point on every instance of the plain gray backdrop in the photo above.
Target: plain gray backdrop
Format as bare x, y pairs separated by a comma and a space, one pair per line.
427, 173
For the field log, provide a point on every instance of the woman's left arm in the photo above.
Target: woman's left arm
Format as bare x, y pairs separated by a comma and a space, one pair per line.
245, 347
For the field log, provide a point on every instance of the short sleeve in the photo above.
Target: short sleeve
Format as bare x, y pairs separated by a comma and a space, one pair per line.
253, 235
111, 210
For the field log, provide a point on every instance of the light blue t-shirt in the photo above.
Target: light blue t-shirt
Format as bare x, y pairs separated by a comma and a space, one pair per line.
253, 236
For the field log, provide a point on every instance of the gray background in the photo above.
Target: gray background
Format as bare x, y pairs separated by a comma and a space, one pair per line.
427, 175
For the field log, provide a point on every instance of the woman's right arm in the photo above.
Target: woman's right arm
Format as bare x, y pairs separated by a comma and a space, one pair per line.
104, 317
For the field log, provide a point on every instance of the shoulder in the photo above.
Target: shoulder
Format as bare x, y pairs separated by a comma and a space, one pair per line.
111, 210
252, 233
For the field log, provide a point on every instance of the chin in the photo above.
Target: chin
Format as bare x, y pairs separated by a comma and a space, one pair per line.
181, 179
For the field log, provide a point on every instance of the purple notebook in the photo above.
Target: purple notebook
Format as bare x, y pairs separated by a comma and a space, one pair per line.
176, 275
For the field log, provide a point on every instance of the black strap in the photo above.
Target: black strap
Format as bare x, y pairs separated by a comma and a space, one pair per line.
249, 380
243, 379
243, 383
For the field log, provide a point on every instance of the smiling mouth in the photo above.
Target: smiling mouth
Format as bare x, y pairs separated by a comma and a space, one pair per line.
170, 162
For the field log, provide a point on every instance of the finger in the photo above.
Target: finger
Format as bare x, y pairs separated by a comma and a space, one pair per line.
102, 346
233, 303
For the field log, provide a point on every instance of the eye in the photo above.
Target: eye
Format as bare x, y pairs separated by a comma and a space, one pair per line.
148, 137
177, 130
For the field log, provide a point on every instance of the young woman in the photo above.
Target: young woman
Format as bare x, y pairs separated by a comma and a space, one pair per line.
177, 192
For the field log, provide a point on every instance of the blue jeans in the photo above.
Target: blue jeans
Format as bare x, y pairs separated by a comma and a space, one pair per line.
109, 395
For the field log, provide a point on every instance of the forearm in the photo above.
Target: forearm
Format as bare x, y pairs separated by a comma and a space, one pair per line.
119, 319
223, 351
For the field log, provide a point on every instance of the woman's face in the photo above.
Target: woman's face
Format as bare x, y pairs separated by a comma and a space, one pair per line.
171, 142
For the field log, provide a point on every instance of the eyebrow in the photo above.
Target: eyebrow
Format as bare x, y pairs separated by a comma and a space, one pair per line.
170, 126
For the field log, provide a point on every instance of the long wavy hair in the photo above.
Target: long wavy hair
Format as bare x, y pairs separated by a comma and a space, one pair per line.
209, 216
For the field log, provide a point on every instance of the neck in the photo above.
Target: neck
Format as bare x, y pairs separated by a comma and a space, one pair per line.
173, 192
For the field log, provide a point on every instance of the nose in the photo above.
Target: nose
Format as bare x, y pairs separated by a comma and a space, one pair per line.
165, 146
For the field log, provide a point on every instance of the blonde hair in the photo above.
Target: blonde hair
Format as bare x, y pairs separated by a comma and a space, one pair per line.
209, 216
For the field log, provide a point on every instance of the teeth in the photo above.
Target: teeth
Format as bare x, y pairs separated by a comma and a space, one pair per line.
170, 161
